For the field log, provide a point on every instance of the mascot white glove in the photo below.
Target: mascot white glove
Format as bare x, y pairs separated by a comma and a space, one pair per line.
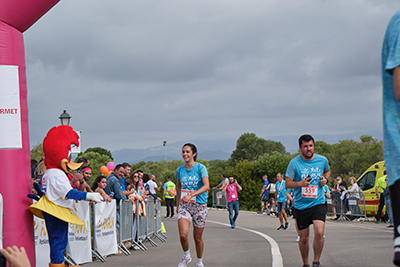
96, 197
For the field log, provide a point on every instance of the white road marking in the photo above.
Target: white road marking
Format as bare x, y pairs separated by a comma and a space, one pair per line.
277, 260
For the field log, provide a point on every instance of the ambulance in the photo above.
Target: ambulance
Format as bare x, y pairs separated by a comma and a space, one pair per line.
367, 183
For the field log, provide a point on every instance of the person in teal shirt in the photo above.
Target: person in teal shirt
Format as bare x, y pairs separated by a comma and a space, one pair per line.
307, 174
282, 195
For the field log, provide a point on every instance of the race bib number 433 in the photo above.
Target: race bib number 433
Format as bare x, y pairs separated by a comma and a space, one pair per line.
310, 191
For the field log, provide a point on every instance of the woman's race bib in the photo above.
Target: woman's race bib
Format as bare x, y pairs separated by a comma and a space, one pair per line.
185, 192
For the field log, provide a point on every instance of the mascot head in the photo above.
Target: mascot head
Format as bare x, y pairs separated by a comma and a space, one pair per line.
57, 146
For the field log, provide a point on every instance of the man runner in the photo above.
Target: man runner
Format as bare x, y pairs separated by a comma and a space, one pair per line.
307, 174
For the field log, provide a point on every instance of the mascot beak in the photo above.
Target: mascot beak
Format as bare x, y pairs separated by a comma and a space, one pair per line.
69, 166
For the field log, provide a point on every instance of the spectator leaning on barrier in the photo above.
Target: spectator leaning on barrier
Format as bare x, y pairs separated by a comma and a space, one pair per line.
379, 188
113, 184
127, 168
169, 195
232, 198
307, 174
98, 186
282, 196
264, 195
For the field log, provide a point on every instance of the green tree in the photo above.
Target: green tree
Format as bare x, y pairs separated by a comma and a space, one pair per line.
96, 161
99, 150
36, 151
272, 164
250, 147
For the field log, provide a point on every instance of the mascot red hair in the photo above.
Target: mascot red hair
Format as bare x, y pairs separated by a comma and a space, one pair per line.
57, 203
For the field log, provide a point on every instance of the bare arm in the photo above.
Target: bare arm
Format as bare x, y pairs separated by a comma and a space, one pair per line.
290, 183
396, 82
204, 188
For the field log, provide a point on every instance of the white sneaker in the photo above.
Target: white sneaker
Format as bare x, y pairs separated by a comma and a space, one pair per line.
184, 262
200, 265
349, 212
298, 238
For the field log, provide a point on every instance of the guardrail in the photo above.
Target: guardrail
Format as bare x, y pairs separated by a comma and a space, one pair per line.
348, 206
219, 199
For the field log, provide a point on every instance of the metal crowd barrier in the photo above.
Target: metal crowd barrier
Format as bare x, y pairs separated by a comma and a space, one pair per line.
150, 222
141, 227
126, 221
219, 199
355, 201
158, 223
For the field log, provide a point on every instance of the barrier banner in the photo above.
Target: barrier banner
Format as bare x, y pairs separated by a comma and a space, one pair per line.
42, 248
105, 227
79, 241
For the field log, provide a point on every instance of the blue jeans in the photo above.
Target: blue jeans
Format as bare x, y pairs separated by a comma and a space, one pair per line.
389, 209
233, 205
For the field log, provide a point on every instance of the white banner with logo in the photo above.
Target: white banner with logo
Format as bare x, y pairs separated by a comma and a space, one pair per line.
10, 108
42, 248
79, 236
105, 220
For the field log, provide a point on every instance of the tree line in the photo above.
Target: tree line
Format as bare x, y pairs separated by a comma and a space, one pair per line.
252, 158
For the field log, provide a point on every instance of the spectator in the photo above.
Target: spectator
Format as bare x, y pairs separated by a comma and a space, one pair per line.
353, 194
335, 196
136, 181
379, 189
113, 185
34, 164
264, 195
232, 199
127, 168
98, 186
80, 179
169, 199
388, 205
76, 179
16, 257
339, 189
146, 184
41, 169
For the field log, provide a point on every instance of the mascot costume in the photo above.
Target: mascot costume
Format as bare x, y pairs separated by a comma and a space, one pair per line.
57, 204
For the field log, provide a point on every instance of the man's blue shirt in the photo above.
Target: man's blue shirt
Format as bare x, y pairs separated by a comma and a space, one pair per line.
307, 197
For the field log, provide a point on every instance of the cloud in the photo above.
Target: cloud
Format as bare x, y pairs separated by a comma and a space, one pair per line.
132, 73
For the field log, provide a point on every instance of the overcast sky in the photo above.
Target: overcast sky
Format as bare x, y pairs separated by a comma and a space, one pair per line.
134, 73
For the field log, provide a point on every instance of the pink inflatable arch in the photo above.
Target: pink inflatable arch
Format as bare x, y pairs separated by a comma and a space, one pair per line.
15, 178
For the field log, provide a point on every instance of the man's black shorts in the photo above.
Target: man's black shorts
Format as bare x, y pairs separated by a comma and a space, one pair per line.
306, 217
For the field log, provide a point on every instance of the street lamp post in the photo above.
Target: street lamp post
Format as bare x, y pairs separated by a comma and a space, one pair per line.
165, 150
65, 118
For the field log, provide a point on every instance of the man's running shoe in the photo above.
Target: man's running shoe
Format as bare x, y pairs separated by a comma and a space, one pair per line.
260, 212
281, 227
306, 265
184, 262
286, 225
316, 264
